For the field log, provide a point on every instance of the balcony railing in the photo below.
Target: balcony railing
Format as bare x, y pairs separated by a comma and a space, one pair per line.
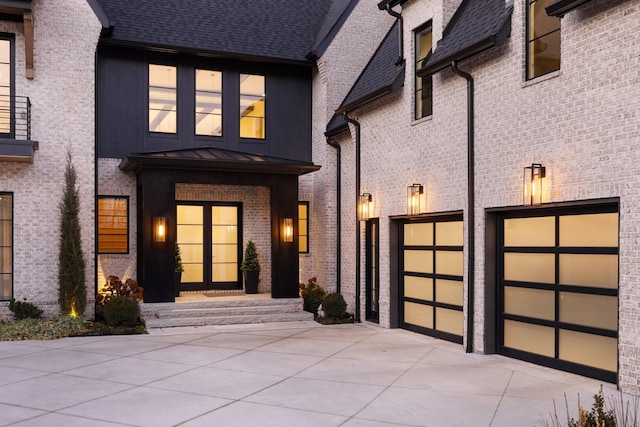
15, 117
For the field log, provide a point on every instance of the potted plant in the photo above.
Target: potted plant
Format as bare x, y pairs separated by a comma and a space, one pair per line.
178, 269
250, 268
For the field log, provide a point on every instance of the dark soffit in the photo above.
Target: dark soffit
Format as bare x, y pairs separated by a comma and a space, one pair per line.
561, 7
215, 159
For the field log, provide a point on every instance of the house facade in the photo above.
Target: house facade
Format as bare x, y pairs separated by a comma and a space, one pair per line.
486, 175
464, 169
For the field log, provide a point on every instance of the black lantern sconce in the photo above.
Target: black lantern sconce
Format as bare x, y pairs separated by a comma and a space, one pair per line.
159, 229
287, 230
365, 206
532, 184
414, 196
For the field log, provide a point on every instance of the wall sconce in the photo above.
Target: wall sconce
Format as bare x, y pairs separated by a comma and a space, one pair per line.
414, 193
287, 230
365, 205
159, 229
532, 184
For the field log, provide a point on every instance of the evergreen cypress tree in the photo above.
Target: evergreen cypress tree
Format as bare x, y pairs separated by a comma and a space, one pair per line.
72, 290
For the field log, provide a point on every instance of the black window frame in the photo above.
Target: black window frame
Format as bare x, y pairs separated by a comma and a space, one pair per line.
422, 83
304, 203
127, 207
11, 244
177, 89
240, 73
531, 41
12, 85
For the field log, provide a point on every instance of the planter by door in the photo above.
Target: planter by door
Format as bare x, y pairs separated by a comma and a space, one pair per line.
251, 281
177, 278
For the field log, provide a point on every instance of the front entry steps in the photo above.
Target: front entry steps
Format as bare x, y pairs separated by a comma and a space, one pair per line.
224, 310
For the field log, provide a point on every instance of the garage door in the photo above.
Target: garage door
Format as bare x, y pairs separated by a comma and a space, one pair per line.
558, 290
431, 286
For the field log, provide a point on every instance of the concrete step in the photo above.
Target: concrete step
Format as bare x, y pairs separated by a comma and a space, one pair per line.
224, 311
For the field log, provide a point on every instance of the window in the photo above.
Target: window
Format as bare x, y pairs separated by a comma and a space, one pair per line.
303, 227
252, 106
424, 85
6, 246
5, 86
113, 225
162, 98
208, 102
543, 40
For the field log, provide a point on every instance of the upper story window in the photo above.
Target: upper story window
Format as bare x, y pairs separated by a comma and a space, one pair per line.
162, 98
5, 85
252, 106
424, 85
113, 225
543, 39
208, 102
6, 246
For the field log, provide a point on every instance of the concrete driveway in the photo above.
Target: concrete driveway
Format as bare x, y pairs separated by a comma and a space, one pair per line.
278, 374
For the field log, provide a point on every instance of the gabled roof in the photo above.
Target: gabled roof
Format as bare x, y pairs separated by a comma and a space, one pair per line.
476, 26
271, 30
380, 77
215, 159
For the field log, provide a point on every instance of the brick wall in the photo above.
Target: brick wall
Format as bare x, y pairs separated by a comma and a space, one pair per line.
62, 117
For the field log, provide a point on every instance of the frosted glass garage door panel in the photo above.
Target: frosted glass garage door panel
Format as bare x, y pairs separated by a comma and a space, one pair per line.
418, 314
591, 350
597, 311
593, 270
449, 233
449, 321
420, 234
535, 303
593, 230
536, 268
538, 232
449, 292
418, 287
449, 262
530, 338
418, 261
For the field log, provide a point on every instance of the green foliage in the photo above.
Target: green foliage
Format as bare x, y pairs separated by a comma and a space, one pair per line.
121, 311
334, 305
117, 288
24, 310
72, 290
597, 417
312, 294
178, 267
34, 329
250, 261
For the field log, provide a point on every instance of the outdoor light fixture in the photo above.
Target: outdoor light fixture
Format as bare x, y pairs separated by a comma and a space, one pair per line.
159, 229
414, 193
287, 229
365, 205
532, 184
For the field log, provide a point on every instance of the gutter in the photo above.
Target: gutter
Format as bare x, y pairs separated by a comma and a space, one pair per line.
358, 255
470, 205
335, 145
398, 16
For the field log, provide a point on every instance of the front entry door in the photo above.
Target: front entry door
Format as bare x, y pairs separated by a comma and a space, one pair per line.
208, 235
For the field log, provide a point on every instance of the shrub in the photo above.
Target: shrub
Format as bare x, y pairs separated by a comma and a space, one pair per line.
24, 310
334, 305
121, 311
312, 294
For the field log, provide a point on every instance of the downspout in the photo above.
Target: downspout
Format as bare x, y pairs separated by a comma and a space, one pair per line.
335, 145
470, 205
398, 16
357, 126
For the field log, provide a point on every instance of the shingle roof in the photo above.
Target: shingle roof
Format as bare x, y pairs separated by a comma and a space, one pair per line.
476, 26
210, 158
281, 30
380, 76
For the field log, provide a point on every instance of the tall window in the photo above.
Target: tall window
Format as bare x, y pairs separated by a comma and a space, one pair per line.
252, 106
5, 86
424, 85
6, 246
303, 227
113, 225
543, 40
208, 102
162, 98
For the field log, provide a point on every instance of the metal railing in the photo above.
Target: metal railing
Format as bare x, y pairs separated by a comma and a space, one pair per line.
15, 117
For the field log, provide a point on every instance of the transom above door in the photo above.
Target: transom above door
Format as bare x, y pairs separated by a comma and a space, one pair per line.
208, 234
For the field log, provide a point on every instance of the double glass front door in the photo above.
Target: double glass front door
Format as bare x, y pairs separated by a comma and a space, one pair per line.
208, 235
